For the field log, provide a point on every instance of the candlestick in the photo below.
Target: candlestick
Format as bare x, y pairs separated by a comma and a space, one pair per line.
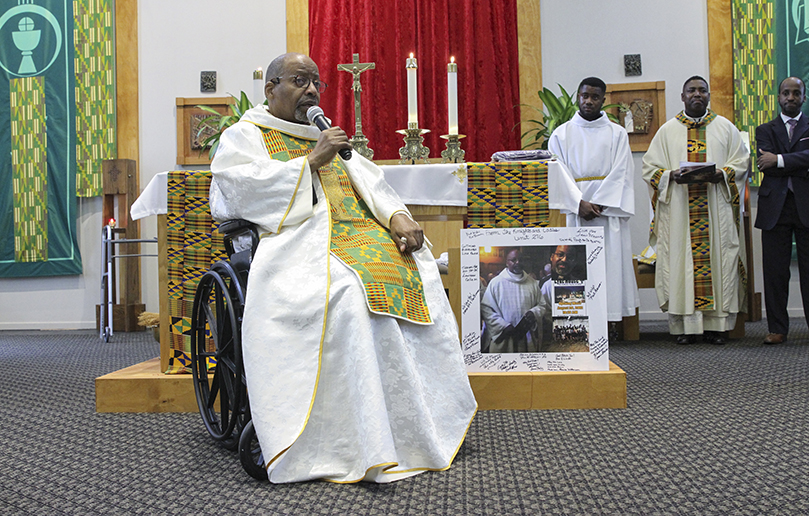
454, 153
258, 86
412, 95
413, 151
452, 102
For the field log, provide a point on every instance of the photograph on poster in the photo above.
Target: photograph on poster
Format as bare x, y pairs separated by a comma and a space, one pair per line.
534, 299
570, 335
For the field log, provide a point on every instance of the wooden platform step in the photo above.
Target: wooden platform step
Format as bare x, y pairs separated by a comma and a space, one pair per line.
144, 388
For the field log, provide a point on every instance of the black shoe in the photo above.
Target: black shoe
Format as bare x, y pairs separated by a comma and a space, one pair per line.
686, 339
612, 332
718, 338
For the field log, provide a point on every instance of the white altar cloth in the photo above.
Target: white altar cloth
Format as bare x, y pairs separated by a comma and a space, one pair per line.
431, 185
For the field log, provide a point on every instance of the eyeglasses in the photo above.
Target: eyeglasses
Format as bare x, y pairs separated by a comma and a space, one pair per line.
303, 82
562, 255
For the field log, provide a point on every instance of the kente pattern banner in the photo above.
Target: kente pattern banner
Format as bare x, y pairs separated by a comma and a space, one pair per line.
94, 41
193, 245
57, 66
754, 82
507, 194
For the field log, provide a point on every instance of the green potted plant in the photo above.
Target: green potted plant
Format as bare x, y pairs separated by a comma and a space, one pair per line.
556, 110
215, 124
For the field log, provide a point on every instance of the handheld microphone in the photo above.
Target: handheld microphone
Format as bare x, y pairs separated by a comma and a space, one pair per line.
316, 116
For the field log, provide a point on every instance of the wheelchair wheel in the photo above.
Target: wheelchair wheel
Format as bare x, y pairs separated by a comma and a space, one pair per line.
242, 419
216, 317
250, 453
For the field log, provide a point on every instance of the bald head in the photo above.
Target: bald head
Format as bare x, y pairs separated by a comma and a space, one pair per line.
791, 95
285, 99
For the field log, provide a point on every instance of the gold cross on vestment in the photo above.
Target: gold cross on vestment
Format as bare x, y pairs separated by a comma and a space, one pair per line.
358, 141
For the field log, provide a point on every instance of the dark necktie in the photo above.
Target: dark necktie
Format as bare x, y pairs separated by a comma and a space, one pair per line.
791, 123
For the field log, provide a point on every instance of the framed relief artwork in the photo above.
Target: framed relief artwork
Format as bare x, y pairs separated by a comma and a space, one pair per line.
642, 111
189, 149
534, 299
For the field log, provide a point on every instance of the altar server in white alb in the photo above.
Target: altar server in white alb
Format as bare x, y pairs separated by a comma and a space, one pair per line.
696, 224
595, 188
353, 364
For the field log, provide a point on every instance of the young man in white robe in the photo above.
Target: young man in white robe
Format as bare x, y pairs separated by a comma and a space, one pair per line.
696, 225
346, 383
595, 188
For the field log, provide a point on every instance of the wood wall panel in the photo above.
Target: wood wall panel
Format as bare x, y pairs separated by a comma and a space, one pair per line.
298, 26
126, 78
720, 57
529, 43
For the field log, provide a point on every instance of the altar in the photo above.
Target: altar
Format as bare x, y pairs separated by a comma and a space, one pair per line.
436, 195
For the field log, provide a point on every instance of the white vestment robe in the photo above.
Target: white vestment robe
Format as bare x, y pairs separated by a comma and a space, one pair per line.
336, 392
507, 299
674, 269
597, 167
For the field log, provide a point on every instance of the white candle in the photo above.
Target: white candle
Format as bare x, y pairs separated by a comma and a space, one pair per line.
258, 86
452, 102
412, 97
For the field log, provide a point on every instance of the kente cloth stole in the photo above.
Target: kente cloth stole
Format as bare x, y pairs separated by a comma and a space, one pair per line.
391, 280
698, 215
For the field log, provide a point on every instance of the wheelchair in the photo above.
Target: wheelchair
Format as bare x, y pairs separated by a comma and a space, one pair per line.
216, 352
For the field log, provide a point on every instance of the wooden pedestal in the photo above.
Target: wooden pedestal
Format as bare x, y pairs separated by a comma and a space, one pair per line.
144, 388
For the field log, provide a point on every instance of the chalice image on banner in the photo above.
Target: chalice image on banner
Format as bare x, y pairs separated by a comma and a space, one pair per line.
26, 39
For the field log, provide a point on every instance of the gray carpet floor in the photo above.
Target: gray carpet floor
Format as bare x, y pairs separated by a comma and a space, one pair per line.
708, 430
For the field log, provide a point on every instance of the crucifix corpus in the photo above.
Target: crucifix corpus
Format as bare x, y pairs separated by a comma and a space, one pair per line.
358, 141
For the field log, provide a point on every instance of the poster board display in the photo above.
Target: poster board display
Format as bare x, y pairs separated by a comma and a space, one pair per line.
534, 299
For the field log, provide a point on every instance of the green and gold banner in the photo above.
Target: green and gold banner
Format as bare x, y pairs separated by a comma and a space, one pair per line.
56, 81
770, 43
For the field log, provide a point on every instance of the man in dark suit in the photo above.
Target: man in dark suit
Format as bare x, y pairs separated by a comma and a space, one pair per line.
783, 158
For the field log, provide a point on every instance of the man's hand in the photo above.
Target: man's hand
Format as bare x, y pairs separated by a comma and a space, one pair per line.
526, 323
588, 210
767, 160
675, 175
717, 177
406, 233
330, 141
507, 332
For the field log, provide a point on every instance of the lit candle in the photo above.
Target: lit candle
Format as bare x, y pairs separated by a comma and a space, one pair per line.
258, 86
412, 98
452, 89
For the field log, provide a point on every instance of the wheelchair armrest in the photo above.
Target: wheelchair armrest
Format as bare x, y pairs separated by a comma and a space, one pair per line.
233, 229
231, 226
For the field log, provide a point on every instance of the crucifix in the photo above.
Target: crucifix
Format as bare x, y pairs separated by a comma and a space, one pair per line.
358, 141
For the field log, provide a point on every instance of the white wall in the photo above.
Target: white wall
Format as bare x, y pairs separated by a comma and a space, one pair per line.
177, 40
233, 38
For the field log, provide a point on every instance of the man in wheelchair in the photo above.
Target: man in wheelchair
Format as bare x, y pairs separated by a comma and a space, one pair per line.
351, 353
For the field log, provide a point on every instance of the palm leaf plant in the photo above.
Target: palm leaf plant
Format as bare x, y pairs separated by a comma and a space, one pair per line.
215, 123
556, 110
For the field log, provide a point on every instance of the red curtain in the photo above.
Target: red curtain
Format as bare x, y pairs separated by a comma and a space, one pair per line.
480, 34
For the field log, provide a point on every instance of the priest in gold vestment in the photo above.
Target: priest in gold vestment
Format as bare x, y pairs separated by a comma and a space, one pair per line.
696, 225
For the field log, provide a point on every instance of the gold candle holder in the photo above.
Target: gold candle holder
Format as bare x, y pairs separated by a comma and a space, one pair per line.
454, 153
360, 144
414, 150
